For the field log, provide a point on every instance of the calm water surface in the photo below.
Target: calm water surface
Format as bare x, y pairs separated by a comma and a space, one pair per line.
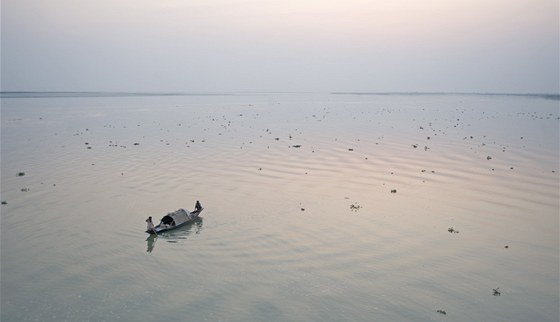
300, 221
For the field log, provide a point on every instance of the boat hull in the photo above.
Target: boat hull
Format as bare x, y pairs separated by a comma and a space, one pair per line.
193, 216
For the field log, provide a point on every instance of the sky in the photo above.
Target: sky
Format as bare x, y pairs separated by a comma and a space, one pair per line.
490, 46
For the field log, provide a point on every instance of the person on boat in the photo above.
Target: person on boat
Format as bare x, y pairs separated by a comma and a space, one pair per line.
151, 227
197, 206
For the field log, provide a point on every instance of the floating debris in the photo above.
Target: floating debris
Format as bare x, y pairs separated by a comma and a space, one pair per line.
393, 190
20, 174
452, 230
4, 202
506, 246
355, 207
296, 146
136, 143
24, 189
350, 149
441, 312
496, 291
302, 209
488, 158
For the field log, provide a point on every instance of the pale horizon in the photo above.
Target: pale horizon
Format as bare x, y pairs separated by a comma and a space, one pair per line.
281, 46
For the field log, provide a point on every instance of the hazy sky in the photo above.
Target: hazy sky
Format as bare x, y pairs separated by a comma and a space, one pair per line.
280, 45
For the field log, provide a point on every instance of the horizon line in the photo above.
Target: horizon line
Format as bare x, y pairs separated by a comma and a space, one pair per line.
40, 94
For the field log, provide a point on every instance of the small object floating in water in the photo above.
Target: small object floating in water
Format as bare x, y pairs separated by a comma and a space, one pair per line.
4, 202
393, 190
452, 230
355, 207
506, 246
442, 312
488, 158
175, 219
20, 174
496, 291
296, 146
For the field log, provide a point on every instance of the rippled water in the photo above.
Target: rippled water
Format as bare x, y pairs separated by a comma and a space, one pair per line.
300, 221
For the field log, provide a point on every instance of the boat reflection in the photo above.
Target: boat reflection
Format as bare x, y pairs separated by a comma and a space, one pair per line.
175, 235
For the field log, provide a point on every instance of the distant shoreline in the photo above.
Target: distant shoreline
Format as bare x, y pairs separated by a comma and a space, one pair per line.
47, 94
540, 95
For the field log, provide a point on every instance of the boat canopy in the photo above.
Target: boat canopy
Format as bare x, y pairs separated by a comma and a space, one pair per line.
176, 217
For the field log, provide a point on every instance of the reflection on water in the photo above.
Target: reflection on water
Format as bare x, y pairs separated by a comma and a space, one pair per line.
323, 208
151, 242
175, 235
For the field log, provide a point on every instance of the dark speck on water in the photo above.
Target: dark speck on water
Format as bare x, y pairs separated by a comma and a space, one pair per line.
452, 230
355, 207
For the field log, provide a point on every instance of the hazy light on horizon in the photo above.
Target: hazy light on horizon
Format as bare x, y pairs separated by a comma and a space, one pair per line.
355, 45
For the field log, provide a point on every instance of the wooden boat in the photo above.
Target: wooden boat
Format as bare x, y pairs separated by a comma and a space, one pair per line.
175, 219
